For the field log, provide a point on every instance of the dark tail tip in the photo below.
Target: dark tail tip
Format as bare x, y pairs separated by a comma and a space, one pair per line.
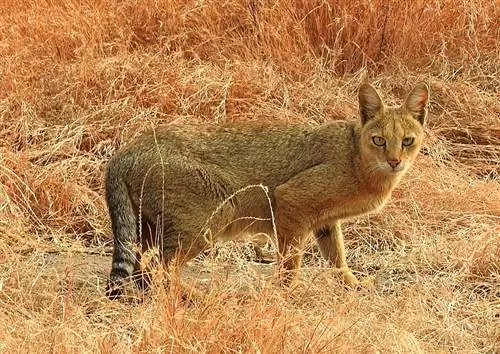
114, 290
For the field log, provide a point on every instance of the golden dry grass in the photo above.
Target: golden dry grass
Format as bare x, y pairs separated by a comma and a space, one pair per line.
81, 78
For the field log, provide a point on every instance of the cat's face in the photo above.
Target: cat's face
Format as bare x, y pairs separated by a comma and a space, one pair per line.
391, 137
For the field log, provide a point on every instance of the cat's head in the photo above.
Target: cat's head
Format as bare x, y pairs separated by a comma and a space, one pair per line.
391, 136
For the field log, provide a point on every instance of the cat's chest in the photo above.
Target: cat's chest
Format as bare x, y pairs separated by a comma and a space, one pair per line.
353, 206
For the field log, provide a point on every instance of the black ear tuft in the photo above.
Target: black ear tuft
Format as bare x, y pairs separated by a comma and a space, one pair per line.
417, 101
369, 102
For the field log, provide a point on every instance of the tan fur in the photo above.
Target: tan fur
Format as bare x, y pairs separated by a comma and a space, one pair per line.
181, 187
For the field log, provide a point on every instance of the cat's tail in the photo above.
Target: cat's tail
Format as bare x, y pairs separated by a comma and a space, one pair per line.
124, 225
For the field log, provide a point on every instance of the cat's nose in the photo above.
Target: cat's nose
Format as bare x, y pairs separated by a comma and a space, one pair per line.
393, 163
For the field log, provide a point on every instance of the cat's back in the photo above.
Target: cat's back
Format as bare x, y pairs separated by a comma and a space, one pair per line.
244, 136
252, 150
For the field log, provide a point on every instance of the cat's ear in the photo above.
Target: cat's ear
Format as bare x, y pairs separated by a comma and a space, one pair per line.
417, 101
370, 102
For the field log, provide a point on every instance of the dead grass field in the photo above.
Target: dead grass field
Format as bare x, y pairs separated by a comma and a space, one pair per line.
78, 79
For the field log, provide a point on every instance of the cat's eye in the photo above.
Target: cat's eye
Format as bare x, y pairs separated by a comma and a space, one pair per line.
407, 141
378, 140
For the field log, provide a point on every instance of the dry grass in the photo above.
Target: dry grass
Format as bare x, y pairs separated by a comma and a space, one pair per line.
80, 78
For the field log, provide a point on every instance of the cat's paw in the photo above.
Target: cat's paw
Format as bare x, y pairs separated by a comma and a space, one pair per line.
350, 279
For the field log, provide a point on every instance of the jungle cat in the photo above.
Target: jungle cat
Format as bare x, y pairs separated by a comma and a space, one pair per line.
180, 187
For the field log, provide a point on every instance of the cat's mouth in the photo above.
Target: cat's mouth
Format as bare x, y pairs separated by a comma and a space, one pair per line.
392, 170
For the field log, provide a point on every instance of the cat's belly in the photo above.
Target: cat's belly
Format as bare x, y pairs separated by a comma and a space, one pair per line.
246, 228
